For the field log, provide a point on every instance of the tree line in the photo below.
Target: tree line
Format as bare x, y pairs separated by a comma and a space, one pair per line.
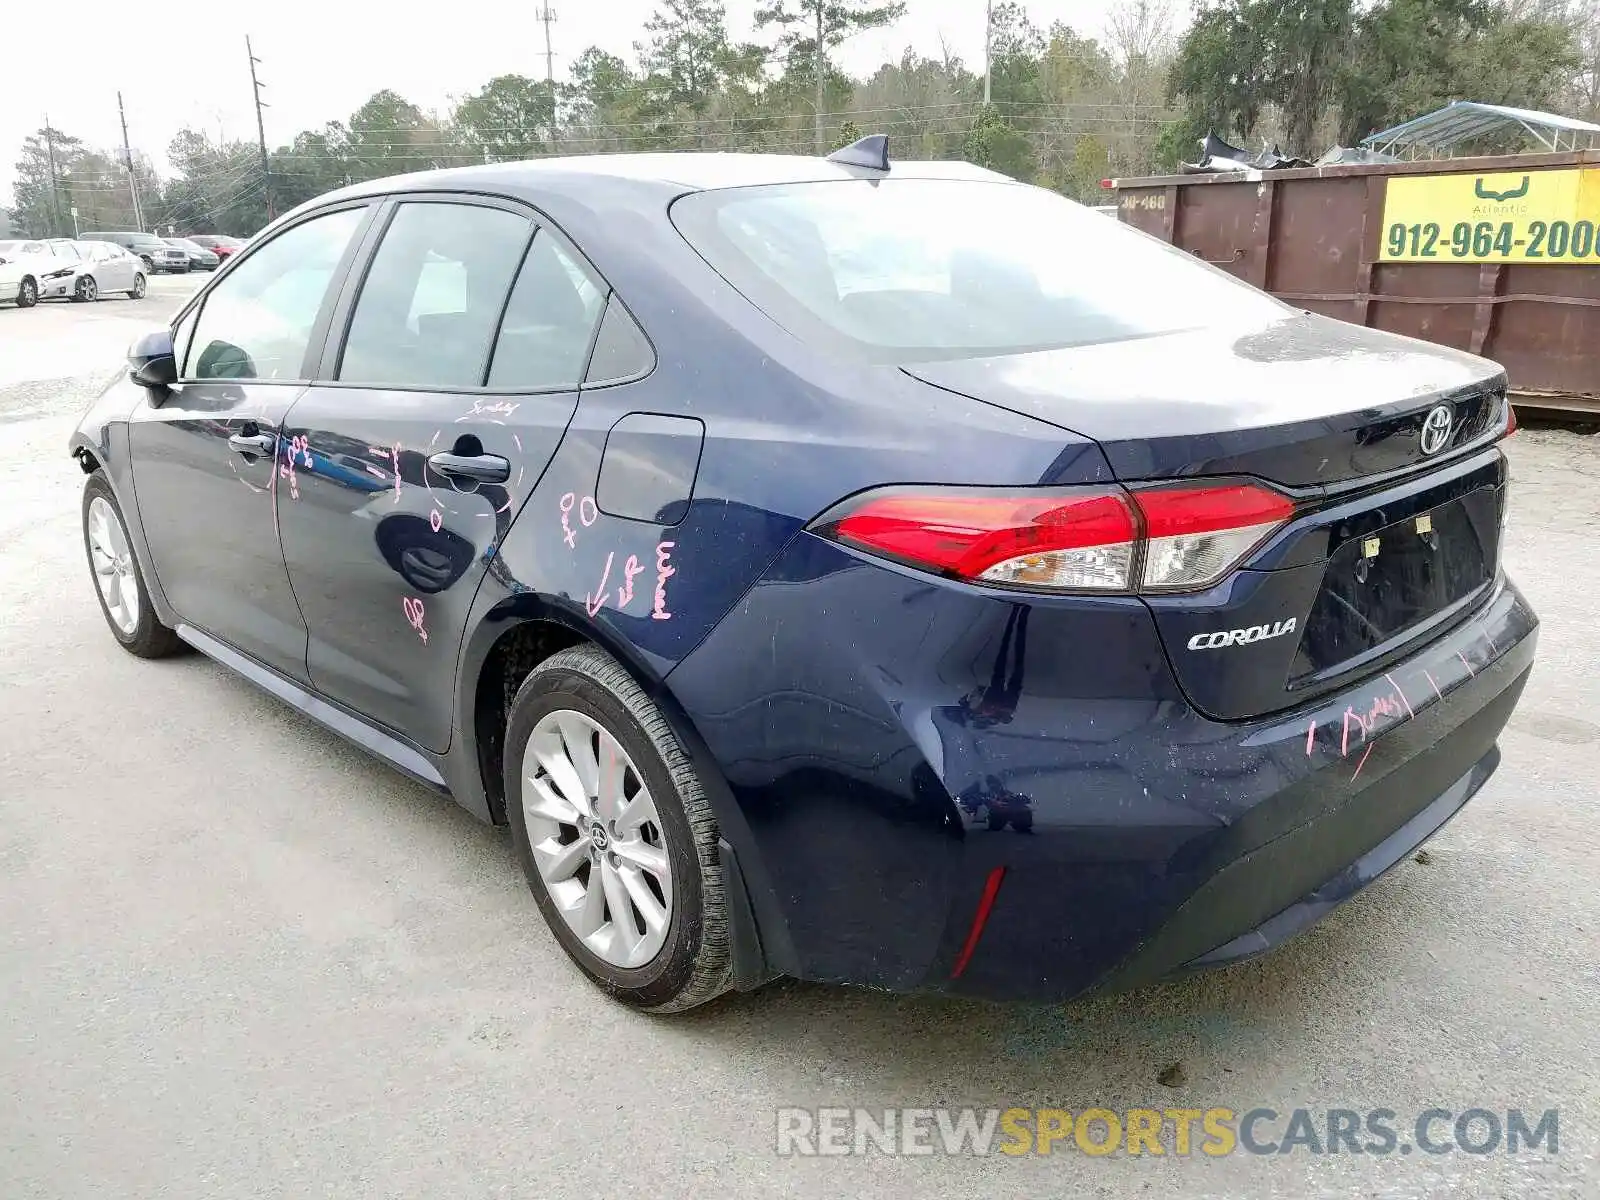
1063, 110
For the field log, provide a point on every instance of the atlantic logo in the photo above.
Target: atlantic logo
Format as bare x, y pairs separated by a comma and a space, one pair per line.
1482, 192
1240, 637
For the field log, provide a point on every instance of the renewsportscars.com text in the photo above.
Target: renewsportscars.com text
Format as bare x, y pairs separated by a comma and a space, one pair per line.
1212, 1132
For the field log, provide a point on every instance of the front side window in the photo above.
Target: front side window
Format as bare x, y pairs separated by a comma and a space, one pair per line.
429, 306
257, 323
549, 323
921, 269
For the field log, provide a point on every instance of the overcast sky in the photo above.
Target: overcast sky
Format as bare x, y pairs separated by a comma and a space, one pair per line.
182, 62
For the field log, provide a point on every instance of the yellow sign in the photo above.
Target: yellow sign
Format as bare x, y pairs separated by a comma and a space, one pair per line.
1504, 216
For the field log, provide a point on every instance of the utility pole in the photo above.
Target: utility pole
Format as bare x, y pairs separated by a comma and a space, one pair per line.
548, 16
127, 158
55, 185
820, 64
261, 132
988, 41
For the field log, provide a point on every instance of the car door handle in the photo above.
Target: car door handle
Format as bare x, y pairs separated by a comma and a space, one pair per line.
485, 468
253, 445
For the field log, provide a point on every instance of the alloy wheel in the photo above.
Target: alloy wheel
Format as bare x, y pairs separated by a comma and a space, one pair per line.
27, 294
138, 287
114, 568
596, 837
87, 288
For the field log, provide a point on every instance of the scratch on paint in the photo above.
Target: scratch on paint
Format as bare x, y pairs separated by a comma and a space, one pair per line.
1401, 694
1362, 763
375, 472
1311, 733
1466, 664
395, 455
1434, 685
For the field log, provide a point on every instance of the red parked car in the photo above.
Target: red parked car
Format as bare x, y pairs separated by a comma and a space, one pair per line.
219, 244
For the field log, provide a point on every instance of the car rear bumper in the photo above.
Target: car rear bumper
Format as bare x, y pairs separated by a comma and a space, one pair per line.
897, 750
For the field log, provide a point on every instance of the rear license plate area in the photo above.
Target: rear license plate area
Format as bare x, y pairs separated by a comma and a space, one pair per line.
1381, 583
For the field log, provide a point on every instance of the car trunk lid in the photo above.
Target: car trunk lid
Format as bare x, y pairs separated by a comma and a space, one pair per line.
1397, 527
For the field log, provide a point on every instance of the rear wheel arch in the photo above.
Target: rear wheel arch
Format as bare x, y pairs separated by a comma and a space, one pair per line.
511, 658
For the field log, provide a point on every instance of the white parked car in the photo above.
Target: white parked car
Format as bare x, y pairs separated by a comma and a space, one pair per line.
22, 261
87, 270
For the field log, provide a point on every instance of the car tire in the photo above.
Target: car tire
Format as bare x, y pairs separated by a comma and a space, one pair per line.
119, 577
137, 291
27, 292
86, 290
584, 691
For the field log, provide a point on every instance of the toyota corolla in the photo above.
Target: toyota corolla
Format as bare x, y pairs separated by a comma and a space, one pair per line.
879, 573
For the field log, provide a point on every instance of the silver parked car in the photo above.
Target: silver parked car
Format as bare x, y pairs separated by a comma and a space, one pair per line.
87, 270
156, 254
200, 259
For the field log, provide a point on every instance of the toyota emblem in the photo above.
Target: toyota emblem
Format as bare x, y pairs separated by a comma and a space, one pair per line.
1436, 428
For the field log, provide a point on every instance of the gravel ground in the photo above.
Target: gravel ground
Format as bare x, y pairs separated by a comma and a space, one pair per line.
238, 958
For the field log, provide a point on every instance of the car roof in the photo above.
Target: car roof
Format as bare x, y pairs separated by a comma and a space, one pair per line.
668, 173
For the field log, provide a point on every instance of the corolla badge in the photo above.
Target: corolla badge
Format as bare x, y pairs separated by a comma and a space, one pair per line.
1436, 428
1240, 637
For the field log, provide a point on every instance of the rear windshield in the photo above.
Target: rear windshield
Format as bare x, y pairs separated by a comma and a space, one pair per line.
914, 270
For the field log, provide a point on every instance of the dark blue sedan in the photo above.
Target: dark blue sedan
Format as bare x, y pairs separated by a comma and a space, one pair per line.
873, 572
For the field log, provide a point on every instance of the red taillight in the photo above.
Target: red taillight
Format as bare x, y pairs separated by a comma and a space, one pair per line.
1195, 534
1082, 539
1066, 540
1511, 419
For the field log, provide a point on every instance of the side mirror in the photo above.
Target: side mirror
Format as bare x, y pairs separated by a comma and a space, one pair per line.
151, 362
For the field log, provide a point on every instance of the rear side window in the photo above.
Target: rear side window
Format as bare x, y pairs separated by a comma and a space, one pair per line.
549, 322
257, 322
915, 270
428, 308
621, 351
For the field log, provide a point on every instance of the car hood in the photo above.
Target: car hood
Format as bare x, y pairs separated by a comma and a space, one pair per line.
1303, 400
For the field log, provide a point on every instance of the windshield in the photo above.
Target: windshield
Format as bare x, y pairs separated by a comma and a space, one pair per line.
916, 270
